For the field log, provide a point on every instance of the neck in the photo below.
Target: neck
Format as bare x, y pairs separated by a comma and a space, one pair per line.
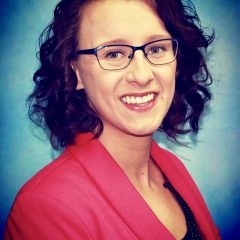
132, 153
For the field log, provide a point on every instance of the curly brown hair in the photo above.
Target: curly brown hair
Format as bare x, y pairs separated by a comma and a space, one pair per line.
63, 111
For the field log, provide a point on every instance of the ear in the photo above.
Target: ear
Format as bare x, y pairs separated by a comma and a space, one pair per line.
77, 72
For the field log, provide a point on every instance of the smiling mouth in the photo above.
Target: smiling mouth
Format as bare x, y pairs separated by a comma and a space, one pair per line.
139, 100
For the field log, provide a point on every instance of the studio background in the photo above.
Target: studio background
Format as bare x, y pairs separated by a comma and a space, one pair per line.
213, 158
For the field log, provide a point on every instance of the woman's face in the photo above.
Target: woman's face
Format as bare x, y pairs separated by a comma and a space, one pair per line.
134, 23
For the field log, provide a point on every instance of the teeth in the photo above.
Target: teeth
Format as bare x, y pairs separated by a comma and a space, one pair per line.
137, 100
133, 100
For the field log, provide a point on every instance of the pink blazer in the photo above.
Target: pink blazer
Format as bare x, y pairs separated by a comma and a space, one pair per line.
84, 194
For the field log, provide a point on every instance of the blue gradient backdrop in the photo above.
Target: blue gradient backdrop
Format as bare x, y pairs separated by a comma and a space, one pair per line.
213, 158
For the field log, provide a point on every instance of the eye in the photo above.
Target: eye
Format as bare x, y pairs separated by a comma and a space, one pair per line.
114, 55
155, 50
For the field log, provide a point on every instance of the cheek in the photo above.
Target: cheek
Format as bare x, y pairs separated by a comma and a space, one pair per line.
101, 85
98, 91
167, 79
168, 94
171, 88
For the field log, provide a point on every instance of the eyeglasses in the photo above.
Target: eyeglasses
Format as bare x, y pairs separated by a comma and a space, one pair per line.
119, 56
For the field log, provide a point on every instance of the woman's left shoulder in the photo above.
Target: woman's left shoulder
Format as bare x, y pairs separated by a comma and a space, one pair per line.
163, 155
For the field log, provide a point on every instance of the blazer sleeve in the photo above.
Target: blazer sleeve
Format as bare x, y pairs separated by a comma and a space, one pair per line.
38, 216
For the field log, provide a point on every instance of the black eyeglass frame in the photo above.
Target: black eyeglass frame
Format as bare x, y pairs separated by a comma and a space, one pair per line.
94, 51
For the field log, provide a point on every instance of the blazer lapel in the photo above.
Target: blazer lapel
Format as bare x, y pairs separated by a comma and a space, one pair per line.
185, 186
116, 188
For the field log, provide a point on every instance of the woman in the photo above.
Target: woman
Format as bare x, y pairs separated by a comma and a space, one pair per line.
111, 74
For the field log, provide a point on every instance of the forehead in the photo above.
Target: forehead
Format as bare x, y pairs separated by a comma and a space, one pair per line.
133, 21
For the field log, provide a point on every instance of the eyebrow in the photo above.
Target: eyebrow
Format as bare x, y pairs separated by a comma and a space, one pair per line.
158, 37
124, 41
114, 41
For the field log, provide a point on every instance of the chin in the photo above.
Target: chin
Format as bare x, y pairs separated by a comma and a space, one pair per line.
146, 132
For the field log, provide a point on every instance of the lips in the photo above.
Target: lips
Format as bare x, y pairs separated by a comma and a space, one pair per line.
139, 101
138, 98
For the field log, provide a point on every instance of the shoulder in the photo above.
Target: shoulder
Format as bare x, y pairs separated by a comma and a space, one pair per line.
163, 155
62, 175
67, 178
52, 195
172, 166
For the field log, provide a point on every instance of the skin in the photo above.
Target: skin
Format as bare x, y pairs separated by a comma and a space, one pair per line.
128, 130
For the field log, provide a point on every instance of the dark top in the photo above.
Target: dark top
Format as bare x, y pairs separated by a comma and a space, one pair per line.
192, 227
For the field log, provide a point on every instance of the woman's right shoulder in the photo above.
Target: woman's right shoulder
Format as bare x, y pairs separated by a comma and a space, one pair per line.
60, 176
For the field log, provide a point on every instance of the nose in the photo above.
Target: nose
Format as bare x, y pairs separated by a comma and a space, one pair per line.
139, 70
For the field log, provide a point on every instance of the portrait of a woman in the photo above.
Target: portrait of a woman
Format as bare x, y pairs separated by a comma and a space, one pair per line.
111, 74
